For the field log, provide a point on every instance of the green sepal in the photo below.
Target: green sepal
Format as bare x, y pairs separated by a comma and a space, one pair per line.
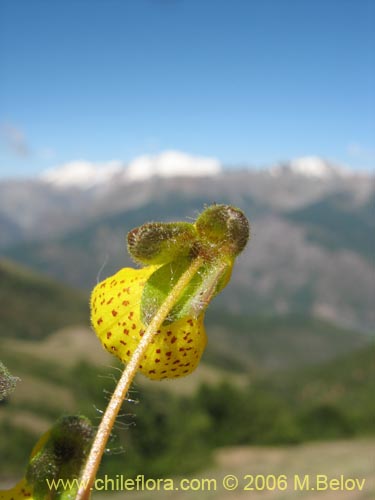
161, 242
61, 454
210, 279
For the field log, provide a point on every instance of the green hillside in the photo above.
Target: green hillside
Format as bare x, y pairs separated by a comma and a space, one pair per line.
348, 458
329, 401
339, 392
64, 370
271, 343
32, 306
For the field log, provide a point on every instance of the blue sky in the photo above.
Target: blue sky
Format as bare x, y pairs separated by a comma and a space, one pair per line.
244, 81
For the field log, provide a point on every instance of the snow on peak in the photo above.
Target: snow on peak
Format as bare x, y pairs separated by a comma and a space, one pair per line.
81, 174
85, 174
310, 166
171, 164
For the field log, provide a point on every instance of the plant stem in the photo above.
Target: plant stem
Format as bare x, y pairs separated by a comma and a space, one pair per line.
91, 468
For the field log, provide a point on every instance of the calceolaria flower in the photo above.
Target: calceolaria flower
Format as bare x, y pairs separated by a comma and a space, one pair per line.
123, 305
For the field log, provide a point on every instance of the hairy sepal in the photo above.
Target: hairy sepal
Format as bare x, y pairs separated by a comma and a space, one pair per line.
210, 279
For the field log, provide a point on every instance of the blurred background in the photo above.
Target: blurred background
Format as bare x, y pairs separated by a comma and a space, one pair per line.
114, 113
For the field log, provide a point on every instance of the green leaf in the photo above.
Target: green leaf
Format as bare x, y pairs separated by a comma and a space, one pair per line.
60, 455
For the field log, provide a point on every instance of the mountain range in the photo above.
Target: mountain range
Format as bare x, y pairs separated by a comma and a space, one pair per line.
296, 319
312, 226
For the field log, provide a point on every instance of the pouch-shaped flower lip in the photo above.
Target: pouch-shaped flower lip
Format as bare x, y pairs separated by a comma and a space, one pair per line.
175, 349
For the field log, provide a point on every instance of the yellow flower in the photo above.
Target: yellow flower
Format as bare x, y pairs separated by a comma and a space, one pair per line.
123, 305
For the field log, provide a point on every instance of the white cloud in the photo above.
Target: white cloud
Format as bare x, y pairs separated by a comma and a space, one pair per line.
171, 164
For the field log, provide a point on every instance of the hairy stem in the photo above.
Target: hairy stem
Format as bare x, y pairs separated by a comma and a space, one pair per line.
122, 388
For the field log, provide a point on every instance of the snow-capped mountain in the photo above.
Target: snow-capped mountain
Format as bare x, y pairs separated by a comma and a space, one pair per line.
172, 164
82, 174
85, 175
310, 166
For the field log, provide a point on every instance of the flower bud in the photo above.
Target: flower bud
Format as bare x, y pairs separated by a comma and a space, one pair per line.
161, 242
224, 227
